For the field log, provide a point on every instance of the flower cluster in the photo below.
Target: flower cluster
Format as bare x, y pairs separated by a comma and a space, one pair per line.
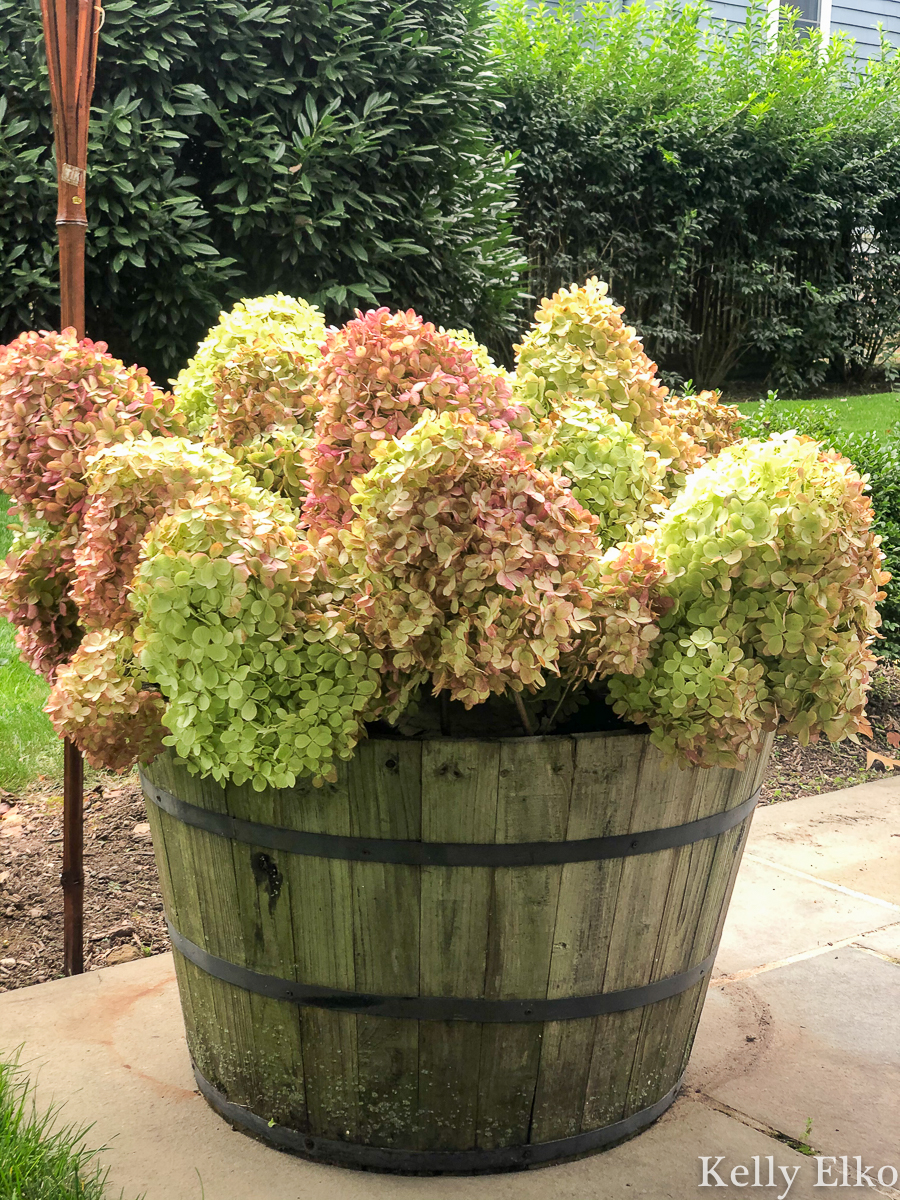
277, 461
130, 487
265, 348
61, 400
482, 569
100, 704
712, 425
265, 676
580, 346
608, 467
36, 595
380, 372
378, 512
774, 576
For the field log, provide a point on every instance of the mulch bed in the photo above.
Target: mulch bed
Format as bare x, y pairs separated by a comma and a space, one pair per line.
123, 908
123, 914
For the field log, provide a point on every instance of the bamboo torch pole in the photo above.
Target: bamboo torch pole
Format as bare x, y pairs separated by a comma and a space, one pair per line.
71, 29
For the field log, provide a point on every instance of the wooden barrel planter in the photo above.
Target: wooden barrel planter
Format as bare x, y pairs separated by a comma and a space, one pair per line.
463, 956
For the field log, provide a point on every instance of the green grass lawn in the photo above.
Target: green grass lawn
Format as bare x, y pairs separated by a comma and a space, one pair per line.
39, 1160
857, 414
28, 745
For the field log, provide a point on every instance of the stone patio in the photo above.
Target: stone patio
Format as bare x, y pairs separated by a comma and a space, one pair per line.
801, 1025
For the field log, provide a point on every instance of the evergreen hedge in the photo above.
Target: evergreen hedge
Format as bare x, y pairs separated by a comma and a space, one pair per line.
335, 149
742, 198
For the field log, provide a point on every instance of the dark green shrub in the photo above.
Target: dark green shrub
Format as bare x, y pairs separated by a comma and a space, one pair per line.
335, 151
742, 200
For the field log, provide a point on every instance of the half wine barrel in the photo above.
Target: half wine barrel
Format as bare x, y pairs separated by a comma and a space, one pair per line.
462, 956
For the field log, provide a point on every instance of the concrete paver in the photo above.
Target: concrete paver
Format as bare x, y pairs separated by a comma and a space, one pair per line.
780, 1041
823, 1046
774, 916
883, 941
851, 838
111, 1045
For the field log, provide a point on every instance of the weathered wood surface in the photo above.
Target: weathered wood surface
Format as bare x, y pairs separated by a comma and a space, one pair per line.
545, 931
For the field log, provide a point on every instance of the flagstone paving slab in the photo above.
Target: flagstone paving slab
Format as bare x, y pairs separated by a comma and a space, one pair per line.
110, 1045
780, 1042
883, 941
851, 838
814, 1040
775, 915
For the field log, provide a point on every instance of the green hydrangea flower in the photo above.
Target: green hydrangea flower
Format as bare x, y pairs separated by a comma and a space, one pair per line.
610, 470
275, 325
774, 574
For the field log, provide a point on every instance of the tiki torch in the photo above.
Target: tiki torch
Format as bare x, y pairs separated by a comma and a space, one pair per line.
71, 30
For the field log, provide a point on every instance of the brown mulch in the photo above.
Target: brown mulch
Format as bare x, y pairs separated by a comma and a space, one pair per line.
796, 770
123, 914
123, 908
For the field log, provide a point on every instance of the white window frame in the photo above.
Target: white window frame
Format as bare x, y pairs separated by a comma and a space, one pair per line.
774, 11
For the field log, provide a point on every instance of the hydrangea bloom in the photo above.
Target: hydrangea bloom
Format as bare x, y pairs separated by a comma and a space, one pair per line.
62, 400
610, 470
36, 596
276, 336
775, 574
483, 569
380, 372
265, 677
129, 488
99, 702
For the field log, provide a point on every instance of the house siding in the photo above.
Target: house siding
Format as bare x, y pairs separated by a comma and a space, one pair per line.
859, 18
724, 10
861, 22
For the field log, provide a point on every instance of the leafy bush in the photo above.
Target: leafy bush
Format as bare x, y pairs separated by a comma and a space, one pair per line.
438, 545
742, 199
336, 150
263, 346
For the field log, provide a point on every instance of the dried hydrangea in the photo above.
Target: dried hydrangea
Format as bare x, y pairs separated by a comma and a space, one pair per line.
36, 596
380, 372
62, 400
775, 574
483, 570
270, 343
100, 703
129, 488
579, 345
265, 676
468, 341
277, 461
710, 423
609, 468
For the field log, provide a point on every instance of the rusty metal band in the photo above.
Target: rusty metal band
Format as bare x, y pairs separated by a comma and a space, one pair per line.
437, 1008
430, 1162
446, 854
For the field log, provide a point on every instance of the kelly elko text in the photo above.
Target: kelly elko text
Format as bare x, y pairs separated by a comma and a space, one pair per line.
763, 1173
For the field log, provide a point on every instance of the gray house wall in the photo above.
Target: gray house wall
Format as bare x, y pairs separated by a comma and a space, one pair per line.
859, 18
